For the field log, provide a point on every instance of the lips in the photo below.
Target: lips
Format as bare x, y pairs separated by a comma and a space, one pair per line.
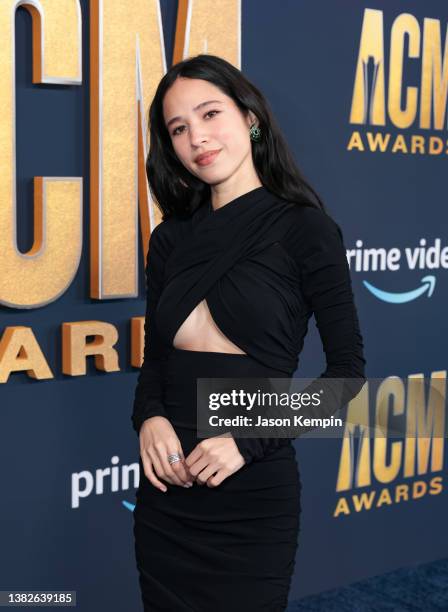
207, 158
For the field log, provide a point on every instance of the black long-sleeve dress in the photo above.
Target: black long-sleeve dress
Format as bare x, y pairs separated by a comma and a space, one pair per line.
264, 266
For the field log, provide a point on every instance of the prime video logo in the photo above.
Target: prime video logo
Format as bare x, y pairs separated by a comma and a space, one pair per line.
423, 257
110, 479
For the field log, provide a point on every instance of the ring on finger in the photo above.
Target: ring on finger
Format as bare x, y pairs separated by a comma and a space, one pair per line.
174, 458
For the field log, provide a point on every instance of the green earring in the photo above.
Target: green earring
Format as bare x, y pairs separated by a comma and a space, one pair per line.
255, 133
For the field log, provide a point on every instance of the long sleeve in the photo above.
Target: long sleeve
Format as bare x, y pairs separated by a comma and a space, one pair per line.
316, 246
148, 399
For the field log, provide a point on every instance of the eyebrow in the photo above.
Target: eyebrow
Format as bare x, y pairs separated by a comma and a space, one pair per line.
195, 109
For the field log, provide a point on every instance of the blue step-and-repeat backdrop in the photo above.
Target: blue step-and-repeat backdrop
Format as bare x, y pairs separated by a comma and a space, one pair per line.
360, 91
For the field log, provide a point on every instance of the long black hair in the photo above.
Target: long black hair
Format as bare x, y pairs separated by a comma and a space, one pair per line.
178, 192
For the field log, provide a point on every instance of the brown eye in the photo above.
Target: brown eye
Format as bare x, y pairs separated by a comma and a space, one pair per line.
175, 132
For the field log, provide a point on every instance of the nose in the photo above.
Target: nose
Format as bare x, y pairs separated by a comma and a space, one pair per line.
197, 136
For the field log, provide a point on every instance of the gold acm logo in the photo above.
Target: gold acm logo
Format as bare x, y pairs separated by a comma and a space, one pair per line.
399, 458
396, 113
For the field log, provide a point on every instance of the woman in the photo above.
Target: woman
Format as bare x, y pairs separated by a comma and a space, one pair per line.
244, 256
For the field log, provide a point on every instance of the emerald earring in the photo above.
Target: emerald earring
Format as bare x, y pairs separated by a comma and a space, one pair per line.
255, 133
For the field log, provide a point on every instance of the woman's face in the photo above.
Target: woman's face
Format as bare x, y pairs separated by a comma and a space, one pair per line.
201, 118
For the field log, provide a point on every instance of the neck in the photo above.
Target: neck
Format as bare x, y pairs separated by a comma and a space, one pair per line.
224, 196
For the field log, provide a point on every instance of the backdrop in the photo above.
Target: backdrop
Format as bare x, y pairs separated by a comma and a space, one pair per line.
360, 91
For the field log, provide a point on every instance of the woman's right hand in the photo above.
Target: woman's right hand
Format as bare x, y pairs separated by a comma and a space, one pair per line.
158, 440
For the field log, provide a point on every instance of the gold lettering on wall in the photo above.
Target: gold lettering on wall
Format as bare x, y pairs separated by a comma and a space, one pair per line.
434, 76
137, 341
427, 100
391, 388
357, 417
127, 61
20, 352
199, 31
404, 26
421, 447
425, 425
369, 106
41, 275
76, 348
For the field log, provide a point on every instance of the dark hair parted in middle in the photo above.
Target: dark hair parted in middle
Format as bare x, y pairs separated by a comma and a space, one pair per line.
176, 190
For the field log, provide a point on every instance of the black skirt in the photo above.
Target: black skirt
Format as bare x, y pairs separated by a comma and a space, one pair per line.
228, 548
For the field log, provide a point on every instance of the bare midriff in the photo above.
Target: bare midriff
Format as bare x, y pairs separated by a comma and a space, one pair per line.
199, 332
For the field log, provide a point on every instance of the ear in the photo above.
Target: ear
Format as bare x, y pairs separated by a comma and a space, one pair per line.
251, 119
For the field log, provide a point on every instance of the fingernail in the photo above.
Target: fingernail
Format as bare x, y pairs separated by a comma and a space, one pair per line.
187, 485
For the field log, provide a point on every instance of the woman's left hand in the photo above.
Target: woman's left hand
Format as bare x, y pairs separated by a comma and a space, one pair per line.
214, 459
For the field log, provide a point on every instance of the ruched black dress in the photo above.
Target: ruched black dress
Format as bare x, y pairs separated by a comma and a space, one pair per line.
264, 266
